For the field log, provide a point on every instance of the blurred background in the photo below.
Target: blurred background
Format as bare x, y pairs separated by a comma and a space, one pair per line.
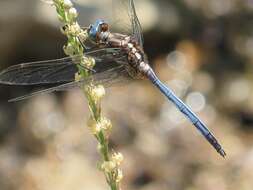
202, 49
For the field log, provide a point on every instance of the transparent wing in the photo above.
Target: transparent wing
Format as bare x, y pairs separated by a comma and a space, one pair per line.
126, 20
136, 26
42, 72
106, 78
58, 70
120, 21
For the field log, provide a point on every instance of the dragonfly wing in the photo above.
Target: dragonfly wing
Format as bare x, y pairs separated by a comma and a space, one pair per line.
120, 20
136, 26
58, 70
106, 78
107, 58
41, 72
62, 87
125, 19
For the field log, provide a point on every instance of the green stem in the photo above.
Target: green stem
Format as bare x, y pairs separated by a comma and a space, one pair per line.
67, 15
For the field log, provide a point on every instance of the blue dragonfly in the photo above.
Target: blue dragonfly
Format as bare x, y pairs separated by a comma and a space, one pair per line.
118, 57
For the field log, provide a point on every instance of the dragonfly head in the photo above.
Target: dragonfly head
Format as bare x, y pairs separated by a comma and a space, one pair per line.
98, 27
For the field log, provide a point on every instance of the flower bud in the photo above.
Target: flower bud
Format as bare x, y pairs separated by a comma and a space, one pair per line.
74, 29
99, 147
78, 77
83, 35
106, 124
69, 49
108, 166
97, 93
119, 176
117, 158
72, 14
88, 62
95, 127
67, 4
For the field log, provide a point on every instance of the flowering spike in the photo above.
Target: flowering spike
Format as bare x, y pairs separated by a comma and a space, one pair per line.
99, 126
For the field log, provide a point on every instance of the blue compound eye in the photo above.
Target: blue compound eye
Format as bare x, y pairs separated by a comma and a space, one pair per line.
92, 31
98, 27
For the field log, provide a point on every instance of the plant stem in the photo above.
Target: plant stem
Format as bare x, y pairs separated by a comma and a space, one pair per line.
99, 125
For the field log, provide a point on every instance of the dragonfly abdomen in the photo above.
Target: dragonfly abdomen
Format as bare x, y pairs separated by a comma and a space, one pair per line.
187, 112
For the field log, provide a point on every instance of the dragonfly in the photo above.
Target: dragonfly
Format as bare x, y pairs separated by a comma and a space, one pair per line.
118, 57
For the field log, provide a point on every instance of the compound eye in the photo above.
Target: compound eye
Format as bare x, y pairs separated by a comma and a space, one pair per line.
104, 27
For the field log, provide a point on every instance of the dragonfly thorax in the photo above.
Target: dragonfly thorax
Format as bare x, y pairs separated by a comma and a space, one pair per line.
136, 55
137, 58
99, 31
